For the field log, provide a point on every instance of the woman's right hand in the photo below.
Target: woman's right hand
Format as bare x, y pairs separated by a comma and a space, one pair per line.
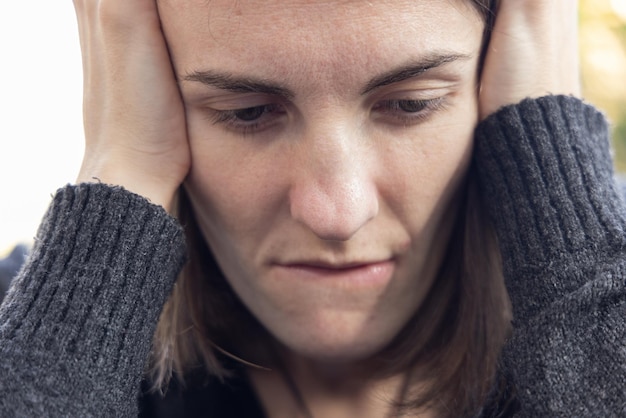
135, 128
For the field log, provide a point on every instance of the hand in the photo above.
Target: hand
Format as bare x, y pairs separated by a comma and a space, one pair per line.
135, 128
533, 52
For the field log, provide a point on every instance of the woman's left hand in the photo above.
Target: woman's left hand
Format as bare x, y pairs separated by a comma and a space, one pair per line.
533, 52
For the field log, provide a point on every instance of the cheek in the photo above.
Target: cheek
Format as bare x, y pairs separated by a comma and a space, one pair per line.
242, 186
236, 188
424, 169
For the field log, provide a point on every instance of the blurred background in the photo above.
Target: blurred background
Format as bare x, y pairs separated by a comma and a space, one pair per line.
603, 54
40, 94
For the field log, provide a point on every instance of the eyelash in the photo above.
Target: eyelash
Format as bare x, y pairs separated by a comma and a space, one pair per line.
424, 109
397, 109
233, 121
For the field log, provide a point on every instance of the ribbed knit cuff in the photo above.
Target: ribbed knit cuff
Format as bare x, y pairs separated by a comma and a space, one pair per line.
547, 180
102, 267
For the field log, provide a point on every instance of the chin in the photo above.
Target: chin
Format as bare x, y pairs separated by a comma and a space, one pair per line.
335, 345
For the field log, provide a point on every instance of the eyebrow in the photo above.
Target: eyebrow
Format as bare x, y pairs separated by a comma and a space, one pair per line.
237, 84
412, 69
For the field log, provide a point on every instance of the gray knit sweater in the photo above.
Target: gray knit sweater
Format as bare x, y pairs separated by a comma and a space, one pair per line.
76, 327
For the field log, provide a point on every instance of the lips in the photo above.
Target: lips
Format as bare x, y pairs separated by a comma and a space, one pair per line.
357, 273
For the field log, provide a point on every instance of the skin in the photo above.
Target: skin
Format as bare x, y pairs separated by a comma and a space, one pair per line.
135, 134
332, 178
334, 173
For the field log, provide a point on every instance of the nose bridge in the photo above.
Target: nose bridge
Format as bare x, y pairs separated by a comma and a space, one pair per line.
333, 194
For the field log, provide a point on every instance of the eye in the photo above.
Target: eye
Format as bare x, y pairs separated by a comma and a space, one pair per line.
251, 113
250, 119
409, 111
412, 106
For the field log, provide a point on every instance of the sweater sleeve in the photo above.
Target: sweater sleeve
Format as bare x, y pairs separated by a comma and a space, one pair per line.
547, 180
77, 325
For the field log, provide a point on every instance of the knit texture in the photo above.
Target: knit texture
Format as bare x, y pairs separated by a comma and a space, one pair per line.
77, 325
547, 180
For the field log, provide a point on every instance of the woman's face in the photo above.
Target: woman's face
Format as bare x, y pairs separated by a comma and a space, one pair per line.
329, 140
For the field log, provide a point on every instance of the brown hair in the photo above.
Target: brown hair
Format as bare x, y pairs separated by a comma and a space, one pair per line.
452, 343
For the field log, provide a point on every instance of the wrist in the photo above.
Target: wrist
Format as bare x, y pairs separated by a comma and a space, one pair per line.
155, 190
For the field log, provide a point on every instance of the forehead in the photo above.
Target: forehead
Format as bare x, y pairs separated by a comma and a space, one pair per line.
287, 37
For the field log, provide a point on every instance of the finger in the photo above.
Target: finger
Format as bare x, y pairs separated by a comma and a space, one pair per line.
549, 30
533, 52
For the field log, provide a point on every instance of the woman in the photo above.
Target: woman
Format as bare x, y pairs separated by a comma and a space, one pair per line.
335, 234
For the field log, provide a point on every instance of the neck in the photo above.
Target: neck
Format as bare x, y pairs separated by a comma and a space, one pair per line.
310, 390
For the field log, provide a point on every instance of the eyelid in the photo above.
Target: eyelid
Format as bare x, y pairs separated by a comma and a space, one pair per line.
393, 103
389, 110
228, 119
412, 93
407, 94
233, 101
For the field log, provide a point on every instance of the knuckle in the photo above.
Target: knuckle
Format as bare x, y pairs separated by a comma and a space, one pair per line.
124, 18
109, 13
116, 14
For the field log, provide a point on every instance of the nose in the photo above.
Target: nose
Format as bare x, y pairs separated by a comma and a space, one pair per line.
333, 193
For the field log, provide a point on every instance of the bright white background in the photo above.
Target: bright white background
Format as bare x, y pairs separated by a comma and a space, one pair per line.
41, 139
